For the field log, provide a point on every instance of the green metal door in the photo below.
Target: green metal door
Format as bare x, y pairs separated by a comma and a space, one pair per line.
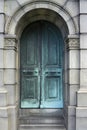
41, 54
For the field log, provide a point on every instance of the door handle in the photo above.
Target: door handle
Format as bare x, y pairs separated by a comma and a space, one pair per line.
30, 72
52, 73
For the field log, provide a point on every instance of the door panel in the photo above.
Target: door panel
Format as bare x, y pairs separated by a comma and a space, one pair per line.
52, 96
52, 56
51, 69
31, 55
41, 66
30, 92
30, 64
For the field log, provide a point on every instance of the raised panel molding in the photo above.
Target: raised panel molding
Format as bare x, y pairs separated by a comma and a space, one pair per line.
44, 62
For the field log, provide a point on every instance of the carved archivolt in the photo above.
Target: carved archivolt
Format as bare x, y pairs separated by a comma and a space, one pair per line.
12, 25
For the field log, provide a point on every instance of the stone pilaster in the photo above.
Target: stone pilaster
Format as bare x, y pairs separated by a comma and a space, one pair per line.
81, 110
1, 41
72, 45
10, 50
4, 125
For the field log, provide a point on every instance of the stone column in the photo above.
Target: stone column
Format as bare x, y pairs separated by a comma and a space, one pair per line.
3, 91
72, 45
81, 110
10, 50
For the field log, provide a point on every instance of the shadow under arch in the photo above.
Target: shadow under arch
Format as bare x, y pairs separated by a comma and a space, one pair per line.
42, 14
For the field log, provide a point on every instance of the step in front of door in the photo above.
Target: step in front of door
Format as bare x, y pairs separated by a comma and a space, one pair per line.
42, 127
41, 120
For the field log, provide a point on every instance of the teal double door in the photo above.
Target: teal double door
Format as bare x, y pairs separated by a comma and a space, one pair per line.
41, 61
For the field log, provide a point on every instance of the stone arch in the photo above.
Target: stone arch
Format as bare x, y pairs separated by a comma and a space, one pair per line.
41, 10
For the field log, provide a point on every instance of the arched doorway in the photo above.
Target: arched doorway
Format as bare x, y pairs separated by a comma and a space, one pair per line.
23, 16
41, 66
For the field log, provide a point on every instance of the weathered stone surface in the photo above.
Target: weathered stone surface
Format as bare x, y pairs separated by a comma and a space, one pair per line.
11, 94
83, 23
72, 98
11, 6
81, 118
1, 59
81, 123
83, 60
13, 117
3, 98
83, 41
73, 76
3, 112
10, 59
74, 59
81, 112
1, 41
83, 78
1, 6
72, 7
71, 118
81, 98
1, 23
10, 76
71, 110
83, 7
1, 77
4, 124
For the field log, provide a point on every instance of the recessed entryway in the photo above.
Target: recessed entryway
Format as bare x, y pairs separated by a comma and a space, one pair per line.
41, 54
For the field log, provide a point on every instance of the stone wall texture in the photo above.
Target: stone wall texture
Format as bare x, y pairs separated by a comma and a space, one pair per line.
70, 16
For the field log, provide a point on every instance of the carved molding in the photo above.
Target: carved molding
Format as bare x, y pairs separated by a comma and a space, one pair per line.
72, 43
39, 4
10, 43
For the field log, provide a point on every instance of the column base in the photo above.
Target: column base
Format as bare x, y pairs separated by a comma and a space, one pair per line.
81, 118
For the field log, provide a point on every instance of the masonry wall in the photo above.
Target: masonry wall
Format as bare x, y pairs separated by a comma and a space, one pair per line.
75, 84
81, 110
3, 91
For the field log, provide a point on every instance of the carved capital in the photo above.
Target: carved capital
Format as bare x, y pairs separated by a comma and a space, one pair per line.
10, 43
72, 43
